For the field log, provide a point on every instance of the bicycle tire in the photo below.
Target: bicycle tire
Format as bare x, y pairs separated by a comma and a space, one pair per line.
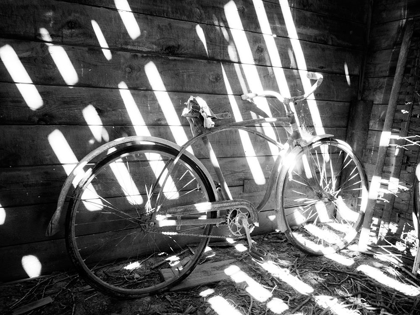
111, 234
323, 202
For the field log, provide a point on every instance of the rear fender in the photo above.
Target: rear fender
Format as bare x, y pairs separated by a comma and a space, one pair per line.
78, 173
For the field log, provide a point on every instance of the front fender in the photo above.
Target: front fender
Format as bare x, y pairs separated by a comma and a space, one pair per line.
314, 138
79, 173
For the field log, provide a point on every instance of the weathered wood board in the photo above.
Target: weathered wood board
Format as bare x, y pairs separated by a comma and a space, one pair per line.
203, 274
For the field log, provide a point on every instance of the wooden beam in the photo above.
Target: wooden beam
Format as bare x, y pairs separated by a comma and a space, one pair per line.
386, 133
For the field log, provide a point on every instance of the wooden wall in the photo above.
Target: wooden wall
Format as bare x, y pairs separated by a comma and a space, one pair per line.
50, 50
389, 20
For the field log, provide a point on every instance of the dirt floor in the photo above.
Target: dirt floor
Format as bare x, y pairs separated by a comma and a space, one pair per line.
285, 282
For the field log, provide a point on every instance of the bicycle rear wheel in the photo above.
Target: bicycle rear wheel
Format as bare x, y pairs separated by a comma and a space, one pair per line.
118, 234
323, 197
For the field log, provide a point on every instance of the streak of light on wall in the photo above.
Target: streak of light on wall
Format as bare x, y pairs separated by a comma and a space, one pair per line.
69, 160
119, 170
273, 52
251, 157
101, 39
165, 103
128, 18
248, 64
202, 37
141, 129
61, 59
21, 77
254, 164
95, 123
31, 265
2, 215
301, 63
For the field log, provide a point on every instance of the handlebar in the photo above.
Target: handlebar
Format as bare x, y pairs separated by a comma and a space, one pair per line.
286, 100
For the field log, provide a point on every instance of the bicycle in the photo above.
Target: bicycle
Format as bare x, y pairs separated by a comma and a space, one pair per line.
143, 204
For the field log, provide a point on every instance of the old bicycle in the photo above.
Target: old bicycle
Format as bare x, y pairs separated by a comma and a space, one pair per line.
144, 204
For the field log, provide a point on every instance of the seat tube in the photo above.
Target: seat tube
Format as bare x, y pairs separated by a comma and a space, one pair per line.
226, 194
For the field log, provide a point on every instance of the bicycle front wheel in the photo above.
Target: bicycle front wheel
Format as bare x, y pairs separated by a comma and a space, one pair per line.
118, 233
323, 197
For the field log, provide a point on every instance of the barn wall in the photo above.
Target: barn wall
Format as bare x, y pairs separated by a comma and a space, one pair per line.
389, 20
54, 68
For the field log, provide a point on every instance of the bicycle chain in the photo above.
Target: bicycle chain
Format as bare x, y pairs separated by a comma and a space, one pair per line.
197, 235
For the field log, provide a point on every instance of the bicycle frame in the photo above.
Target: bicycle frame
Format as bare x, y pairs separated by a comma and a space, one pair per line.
285, 150
294, 142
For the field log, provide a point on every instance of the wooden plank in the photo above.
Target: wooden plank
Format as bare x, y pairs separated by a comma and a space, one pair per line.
391, 10
387, 35
42, 184
197, 9
163, 36
32, 306
63, 106
32, 147
383, 63
309, 26
139, 71
27, 224
203, 274
378, 90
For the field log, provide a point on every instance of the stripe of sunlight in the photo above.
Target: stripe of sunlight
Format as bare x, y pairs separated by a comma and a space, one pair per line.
101, 39
61, 59
285, 276
128, 18
2, 215
94, 123
249, 151
301, 63
256, 290
248, 65
251, 157
141, 129
165, 103
21, 77
386, 280
252, 160
334, 305
68, 160
273, 52
222, 307
119, 169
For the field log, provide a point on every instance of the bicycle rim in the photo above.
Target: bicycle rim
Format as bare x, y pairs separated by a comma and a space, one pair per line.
323, 197
111, 229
